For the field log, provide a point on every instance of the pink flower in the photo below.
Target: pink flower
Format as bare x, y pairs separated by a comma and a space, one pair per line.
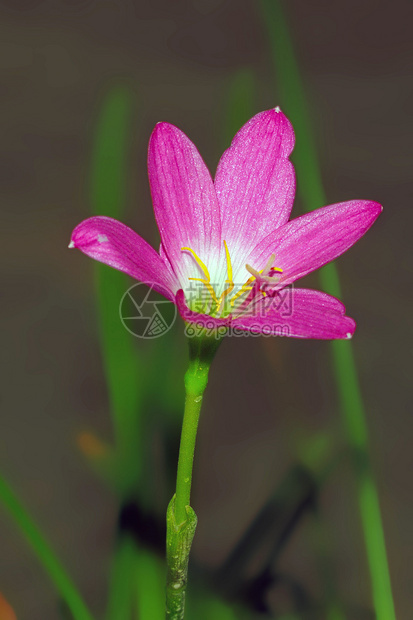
227, 249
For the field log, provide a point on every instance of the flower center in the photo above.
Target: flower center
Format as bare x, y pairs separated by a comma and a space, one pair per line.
206, 300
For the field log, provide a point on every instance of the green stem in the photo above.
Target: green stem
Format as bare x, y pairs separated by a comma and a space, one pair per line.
196, 379
181, 519
45, 554
179, 539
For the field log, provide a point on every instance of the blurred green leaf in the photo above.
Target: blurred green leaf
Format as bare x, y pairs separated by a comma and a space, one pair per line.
150, 586
239, 105
310, 185
123, 367
44, 553
121, 583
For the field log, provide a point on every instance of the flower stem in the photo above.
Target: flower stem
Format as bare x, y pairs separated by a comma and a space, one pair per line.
196, 379
181, 519
178, 545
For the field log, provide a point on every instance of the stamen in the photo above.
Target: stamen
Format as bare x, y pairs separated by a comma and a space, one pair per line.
229, 281
244, 289
251, 300
199, 262
207, 280
229, 265
251, 288
209, 288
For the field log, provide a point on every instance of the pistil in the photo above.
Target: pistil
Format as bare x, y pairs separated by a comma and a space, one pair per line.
263, 275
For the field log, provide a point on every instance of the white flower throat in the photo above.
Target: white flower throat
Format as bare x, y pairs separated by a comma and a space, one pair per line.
230, 302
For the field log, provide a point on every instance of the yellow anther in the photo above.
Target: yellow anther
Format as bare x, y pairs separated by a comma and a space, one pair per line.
229, 265
199, 262
259, 276
230, 283
207, 280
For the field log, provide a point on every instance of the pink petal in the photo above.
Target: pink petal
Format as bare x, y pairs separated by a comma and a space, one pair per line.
113, 243
314, 239
299, 313
255, 181
184, 199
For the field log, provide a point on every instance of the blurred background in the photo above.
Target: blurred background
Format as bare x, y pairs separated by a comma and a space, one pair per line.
271, 403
